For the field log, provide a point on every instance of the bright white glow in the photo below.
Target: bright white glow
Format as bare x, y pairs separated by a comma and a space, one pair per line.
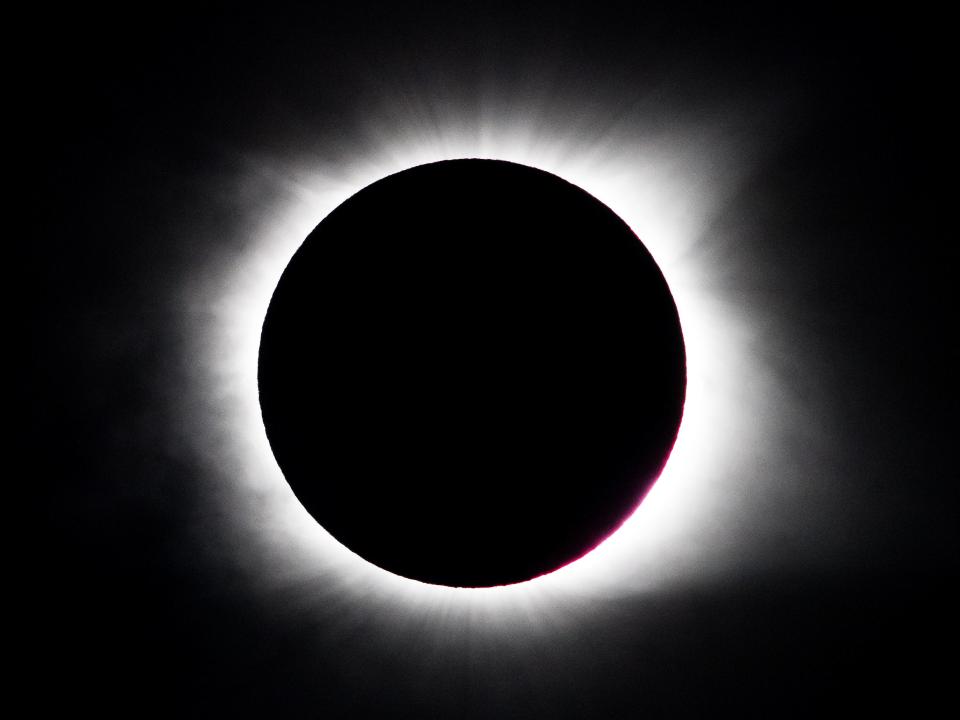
668, 189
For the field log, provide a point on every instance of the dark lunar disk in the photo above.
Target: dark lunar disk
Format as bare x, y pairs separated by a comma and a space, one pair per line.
471, 373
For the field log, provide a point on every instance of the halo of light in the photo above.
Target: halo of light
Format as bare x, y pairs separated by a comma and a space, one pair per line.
665, 190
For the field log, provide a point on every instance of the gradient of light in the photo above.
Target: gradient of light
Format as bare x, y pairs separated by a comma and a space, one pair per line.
667, 186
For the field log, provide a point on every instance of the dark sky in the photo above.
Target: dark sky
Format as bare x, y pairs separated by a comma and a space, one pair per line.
166, 142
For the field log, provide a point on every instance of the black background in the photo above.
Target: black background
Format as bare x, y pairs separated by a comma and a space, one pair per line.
132, 117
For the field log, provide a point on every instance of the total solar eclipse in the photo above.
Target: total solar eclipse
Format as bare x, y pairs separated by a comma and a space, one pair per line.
471, 372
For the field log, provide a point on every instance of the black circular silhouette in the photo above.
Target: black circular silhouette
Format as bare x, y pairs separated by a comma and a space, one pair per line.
471, 372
